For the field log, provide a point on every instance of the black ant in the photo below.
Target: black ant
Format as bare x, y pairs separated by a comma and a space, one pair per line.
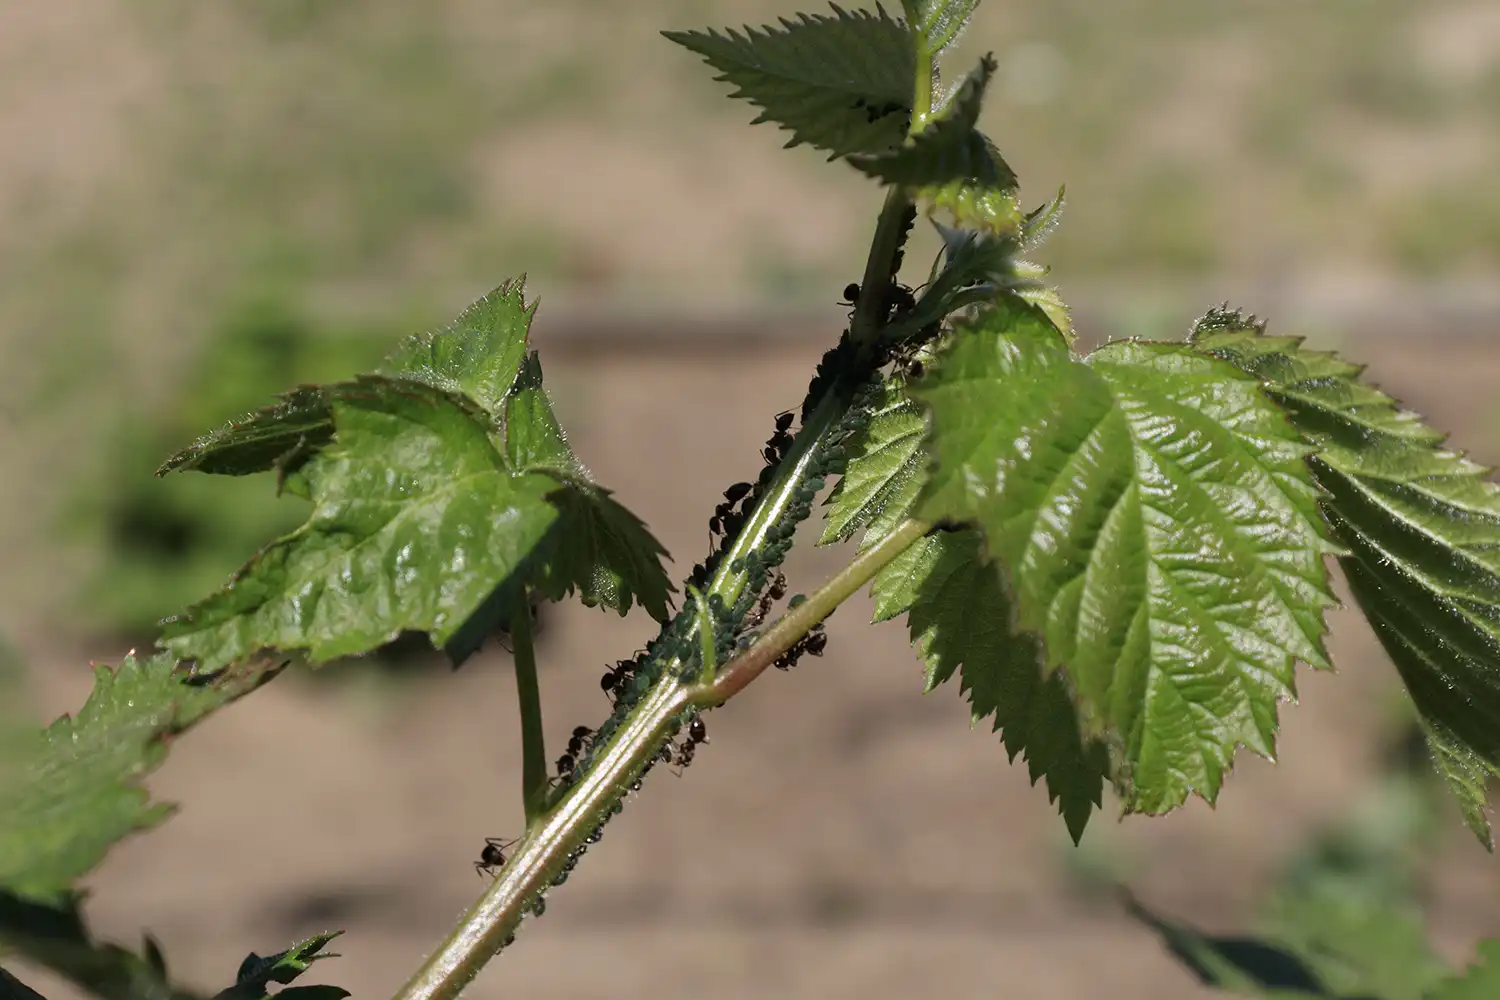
615, 678
777, 589
811, 644
577, 741
774, 592
492, 858
851, 295
739, 491
697, 733
565, 765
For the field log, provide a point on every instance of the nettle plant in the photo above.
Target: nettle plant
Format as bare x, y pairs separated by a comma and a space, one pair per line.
1121, 556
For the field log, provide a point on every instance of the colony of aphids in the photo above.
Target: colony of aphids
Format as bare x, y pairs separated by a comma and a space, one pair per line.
850, 369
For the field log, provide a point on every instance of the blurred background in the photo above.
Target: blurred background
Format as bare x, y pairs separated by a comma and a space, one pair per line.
204, 204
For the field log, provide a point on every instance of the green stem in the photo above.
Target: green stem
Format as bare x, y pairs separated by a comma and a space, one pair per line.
921, 101
796, 623
554, 836
488, 926
533, 743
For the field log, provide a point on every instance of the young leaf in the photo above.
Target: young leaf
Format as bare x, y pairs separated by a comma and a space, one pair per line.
1422, 525
601, 549
75, 790
257, 973
841, 83
1159, 530
477, 355
961, 620
417, 524
938, 23
953, 166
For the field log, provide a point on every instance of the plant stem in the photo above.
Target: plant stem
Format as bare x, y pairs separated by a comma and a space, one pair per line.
486, 928
921, 101
555, 835
529, 697
796, 623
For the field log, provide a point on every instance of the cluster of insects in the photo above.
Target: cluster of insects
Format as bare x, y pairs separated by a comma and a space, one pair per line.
811, 644
728, 517
617, 677
780, 440
677, 755
577, 743
875, 112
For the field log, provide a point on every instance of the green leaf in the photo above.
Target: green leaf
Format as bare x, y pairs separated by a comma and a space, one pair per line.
1480, 982
953, 167
961, 621
55, 937
1159, 530
959, 611
601, 549
76, 788
883, 470
841, 83
534, 440
417, 524
1422, 526
477, 355
938, 23
257, 973
1319, 941
258, 441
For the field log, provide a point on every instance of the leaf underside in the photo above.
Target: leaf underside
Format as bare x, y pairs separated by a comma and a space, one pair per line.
76, 789
842, 83
1422, 527
1157, 526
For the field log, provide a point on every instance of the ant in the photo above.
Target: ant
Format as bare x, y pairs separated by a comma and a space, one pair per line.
774, 592
811, 644
565, 765
726, 520
697, 733
492, 857
615, 678
851, 295
578, 740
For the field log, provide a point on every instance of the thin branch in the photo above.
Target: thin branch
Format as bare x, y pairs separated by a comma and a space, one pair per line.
797, 622
528, 695
558, 835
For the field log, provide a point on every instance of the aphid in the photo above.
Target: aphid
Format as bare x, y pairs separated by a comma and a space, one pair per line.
492, 858
596, 836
